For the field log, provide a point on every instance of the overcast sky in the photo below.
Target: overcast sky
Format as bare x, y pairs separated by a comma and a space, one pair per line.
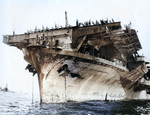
23, 15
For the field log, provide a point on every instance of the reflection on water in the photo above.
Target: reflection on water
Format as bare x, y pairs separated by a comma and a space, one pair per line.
15, 103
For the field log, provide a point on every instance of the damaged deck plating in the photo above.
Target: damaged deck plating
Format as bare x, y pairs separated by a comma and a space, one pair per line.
95, 61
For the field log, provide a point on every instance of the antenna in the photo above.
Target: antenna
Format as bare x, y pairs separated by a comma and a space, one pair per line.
14, 32
66, 20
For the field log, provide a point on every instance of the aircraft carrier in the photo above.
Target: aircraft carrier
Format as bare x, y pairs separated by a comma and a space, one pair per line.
89, 61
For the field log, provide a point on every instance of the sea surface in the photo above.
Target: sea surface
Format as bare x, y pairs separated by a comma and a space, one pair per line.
12, 103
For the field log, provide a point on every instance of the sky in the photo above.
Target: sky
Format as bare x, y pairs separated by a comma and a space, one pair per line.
23, 15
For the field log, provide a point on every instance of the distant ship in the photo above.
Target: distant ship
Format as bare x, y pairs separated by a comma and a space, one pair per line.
89, 61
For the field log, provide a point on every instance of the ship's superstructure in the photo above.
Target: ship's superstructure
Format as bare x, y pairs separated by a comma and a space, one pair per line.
89, 61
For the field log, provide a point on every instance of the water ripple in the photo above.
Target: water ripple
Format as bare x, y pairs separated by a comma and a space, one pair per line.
16, 103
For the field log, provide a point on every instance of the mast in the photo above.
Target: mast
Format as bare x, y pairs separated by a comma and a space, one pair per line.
66, 20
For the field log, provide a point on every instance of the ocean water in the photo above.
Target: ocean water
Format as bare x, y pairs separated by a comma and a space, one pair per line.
21, 104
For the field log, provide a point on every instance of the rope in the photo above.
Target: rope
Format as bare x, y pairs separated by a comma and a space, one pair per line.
32, 89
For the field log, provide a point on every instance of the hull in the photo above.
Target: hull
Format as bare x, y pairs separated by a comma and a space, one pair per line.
85, 62
97, 83
85, 80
